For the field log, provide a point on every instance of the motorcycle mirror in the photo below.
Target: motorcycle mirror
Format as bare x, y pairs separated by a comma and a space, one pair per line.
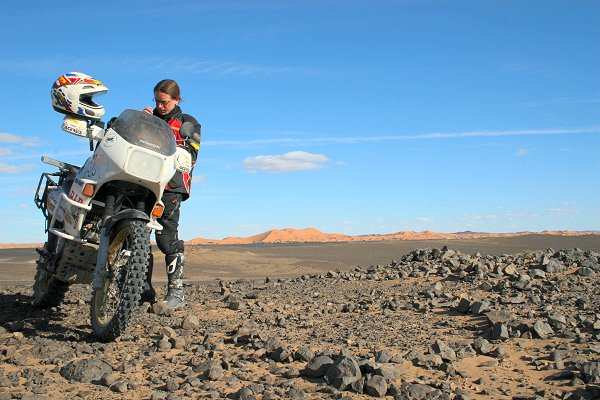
186, 130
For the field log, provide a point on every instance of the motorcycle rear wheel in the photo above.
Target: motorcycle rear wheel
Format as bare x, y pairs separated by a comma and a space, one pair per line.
115, 302
48, 291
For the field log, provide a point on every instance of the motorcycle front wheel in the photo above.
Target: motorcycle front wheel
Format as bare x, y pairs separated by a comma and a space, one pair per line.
114, 303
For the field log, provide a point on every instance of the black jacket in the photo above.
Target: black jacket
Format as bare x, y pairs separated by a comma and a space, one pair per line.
182, 182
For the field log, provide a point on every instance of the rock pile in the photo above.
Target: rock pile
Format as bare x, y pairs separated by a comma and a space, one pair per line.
436, 324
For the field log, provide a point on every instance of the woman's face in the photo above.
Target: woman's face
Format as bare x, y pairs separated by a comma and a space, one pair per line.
164, 103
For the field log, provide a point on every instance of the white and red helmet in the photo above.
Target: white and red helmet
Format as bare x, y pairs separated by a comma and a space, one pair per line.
73, 94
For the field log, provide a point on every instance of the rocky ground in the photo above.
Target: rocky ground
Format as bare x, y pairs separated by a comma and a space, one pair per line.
434, 324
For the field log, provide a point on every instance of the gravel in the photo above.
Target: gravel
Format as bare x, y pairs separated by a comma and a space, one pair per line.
433, 324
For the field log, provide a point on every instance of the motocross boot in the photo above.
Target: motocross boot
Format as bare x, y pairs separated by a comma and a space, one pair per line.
149, 294
175, 263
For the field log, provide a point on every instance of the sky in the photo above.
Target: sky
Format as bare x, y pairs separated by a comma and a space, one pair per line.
349, 116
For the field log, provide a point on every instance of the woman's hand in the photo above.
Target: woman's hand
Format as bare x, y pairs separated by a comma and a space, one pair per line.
148, 109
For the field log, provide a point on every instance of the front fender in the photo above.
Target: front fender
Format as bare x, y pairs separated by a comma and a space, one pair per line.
100, 271
125, 214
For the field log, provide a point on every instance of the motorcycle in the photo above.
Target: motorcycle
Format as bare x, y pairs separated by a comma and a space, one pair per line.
99, 217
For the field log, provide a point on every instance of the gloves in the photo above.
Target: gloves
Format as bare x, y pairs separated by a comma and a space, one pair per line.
183, 160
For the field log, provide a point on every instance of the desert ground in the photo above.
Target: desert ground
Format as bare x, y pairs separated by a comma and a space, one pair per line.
207, 263
493, 318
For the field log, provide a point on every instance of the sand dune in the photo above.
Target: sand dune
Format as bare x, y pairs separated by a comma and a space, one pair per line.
20, 245
290, 235
312, 235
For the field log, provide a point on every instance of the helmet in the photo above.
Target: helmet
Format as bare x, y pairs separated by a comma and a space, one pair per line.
72, 95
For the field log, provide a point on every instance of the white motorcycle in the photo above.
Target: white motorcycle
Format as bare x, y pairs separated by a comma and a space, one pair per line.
99, 217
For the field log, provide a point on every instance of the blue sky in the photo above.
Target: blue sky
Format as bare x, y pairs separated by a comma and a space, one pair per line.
353, 116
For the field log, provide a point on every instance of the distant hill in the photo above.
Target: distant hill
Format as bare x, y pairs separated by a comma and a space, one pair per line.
20, 245
290, 235
312, 235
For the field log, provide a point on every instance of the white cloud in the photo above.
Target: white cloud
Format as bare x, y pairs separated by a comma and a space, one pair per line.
151, 64
522, 152
198, 179
288, 162
424, 220
555, 101
561, 211
392, 138
529, 68
11, 138
13, 150
14, 169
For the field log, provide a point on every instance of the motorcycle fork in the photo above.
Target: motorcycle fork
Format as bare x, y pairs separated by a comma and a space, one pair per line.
101, 272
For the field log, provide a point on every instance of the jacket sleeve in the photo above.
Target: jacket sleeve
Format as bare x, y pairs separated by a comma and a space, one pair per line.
193, 143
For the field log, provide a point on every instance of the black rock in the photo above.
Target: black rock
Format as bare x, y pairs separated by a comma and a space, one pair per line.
543, 329
343, 372
585, 271
482, 346
464, 306
304, 354
210, 369
590, 392
376, 386
383, 356
554, 265
358, 386
161, 308
318, 366
495, 316
295, 393
499, 331
428, 361
85, 371
479, 307
590, 372
444, 351
246, 394
560, 376
415, 391
388, 371
281, 354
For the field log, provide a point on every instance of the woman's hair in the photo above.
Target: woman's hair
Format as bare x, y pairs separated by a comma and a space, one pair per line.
170, 87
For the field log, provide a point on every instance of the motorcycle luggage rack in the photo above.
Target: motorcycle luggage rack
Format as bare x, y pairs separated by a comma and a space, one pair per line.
66, 170
41, 202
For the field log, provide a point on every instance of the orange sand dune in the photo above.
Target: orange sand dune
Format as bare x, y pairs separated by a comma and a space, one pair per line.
279, 236
20, 245
291, 235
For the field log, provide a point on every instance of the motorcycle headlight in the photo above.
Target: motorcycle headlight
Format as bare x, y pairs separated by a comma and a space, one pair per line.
145, 166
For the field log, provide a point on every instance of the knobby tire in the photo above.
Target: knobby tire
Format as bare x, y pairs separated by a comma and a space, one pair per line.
122, 287
48, 291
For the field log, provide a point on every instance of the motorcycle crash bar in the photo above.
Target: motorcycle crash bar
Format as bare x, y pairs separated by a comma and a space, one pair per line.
62, 234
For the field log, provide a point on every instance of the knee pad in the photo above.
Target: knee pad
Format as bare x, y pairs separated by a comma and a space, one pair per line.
169, 244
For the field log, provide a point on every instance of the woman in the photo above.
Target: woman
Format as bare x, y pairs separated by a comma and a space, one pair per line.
167, 97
